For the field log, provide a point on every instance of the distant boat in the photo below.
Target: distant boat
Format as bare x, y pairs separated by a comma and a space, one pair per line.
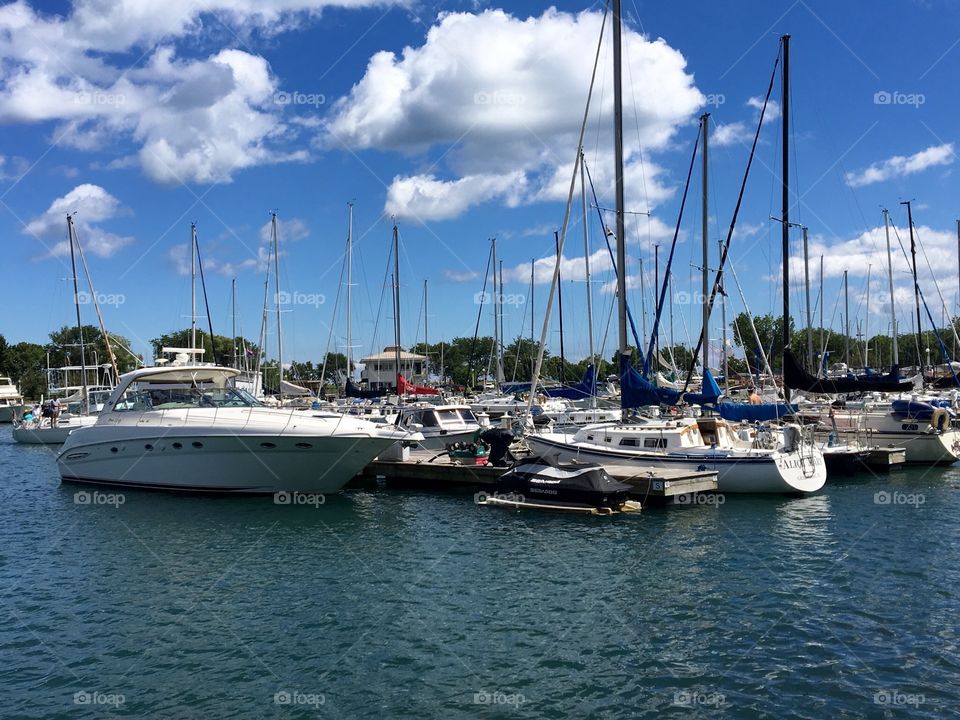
440, 425
11, 401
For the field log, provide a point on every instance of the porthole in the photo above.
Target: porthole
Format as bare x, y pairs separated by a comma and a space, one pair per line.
267, 445
304, 446
113, 450
177, 446
198, 445
148, 446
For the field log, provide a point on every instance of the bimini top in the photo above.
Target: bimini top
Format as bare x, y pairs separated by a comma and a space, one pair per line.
179, 375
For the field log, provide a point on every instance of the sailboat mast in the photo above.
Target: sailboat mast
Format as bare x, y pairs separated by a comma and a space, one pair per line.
586, 262
76, 303
893, 307
916, 282
806, 284
233, 313
563, 357
846, 320
723, 319
822, 303
349, 288
396, 301
276, 283
502, 336
533, 344
785, 198
866, 324
618, 175
426, 342
496, 314
193, 286
704, 230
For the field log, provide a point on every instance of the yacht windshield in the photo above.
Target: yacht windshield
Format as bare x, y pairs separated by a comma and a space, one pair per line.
182, 397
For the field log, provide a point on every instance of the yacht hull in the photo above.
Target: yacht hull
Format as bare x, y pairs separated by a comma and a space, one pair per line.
217, 463
774, 472
923, 448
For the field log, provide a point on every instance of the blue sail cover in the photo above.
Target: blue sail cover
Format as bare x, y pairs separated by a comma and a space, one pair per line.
587, 387
709, 392
636, 391
738, 412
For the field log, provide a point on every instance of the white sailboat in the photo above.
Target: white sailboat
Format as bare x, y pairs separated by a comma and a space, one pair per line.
81, 401
778, 460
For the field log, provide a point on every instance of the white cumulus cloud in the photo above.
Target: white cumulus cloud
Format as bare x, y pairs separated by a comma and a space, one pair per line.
900, 165
92, 205
502, 97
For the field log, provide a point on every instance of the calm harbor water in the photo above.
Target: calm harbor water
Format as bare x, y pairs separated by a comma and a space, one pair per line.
407, 604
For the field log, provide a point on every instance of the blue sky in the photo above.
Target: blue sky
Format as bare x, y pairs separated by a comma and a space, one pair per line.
461, 119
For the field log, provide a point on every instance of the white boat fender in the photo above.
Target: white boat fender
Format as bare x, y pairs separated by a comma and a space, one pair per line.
940, 420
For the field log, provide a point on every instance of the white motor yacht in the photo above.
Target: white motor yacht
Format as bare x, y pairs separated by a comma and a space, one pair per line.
440, 425
185, 427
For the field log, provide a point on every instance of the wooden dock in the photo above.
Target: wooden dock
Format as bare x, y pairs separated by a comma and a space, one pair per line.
426, 470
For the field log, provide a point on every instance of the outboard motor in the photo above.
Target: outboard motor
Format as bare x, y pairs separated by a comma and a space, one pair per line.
499, 441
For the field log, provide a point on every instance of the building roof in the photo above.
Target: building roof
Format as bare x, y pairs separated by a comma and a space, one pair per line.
390, 353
